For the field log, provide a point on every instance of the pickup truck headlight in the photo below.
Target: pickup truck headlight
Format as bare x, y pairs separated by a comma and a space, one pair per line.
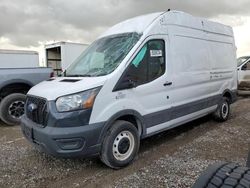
83, 100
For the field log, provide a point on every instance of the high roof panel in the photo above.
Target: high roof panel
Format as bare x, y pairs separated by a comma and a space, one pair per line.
183, 19
141, 23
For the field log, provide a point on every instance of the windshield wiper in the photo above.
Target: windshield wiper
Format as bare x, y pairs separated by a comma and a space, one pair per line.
78, 75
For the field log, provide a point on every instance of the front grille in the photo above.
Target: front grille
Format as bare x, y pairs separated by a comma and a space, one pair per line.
39, 113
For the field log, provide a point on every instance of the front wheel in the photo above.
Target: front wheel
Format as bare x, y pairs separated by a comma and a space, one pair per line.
12, 108
223, 111
121, 144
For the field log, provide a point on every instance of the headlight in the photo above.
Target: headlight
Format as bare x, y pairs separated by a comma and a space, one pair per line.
83, 100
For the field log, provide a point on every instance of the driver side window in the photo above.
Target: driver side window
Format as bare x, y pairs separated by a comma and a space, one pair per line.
149, 64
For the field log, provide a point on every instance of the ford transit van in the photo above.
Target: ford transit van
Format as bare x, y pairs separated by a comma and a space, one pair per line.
143, 76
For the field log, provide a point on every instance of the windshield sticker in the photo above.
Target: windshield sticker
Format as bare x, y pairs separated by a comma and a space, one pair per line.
155, 53
139, 57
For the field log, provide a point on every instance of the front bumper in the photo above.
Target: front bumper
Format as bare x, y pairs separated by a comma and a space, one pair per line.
64, 141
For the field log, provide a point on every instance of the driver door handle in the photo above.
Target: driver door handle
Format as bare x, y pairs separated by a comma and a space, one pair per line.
168, 83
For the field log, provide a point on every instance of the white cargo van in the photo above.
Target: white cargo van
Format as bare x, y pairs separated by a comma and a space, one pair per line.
143, 76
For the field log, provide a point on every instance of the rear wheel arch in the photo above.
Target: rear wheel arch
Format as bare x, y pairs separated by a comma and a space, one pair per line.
228, 94
222, 112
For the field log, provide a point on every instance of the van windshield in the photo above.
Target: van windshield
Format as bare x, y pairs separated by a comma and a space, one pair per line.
103, 56
242, 60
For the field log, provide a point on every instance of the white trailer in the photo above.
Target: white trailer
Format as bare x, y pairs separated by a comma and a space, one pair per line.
61, 54
18, 59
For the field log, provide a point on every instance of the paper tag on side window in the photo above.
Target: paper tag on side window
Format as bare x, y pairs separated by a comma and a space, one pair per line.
155, 53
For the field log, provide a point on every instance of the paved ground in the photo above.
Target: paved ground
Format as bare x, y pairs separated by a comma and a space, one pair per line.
172, 159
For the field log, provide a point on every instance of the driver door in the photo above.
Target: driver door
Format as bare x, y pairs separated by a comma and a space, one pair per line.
150, 83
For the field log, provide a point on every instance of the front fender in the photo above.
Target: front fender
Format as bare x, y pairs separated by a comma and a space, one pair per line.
119, 114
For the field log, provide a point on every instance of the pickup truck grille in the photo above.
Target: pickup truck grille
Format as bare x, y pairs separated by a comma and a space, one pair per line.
36, 110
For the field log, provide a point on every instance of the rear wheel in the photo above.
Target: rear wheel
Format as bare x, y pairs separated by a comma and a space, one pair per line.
12, 108
121, 144
223, 111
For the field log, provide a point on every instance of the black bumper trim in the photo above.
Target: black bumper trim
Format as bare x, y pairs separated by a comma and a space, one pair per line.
49, 139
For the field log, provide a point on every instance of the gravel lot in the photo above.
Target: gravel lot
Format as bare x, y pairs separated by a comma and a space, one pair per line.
171, 159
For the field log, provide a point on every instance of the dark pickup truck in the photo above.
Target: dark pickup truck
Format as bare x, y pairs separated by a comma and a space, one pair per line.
14, 84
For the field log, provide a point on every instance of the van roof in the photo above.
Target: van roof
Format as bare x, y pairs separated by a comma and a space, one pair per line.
141, 23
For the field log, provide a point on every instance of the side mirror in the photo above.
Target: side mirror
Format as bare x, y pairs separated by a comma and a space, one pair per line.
126, 83
244, 67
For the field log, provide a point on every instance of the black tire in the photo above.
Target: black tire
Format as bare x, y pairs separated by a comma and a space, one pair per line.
11, 108
120, 146
223, 111
227, 175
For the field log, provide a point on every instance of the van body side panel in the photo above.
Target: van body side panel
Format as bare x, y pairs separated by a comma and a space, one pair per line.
222, 55
197, 74
179, 111
179, 121
190, 66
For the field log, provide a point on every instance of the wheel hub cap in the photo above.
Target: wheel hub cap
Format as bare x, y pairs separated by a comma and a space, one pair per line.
224, 110
123, 145
16, 109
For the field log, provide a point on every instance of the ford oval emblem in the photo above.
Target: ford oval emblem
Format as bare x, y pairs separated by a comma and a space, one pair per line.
32, 107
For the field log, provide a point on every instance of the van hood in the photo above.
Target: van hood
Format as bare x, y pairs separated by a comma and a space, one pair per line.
57, 87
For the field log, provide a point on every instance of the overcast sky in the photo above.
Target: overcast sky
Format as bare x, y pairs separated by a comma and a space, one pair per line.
29, 24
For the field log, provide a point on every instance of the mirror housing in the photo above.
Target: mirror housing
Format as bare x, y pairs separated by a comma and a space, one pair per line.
126, 83
244, 67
